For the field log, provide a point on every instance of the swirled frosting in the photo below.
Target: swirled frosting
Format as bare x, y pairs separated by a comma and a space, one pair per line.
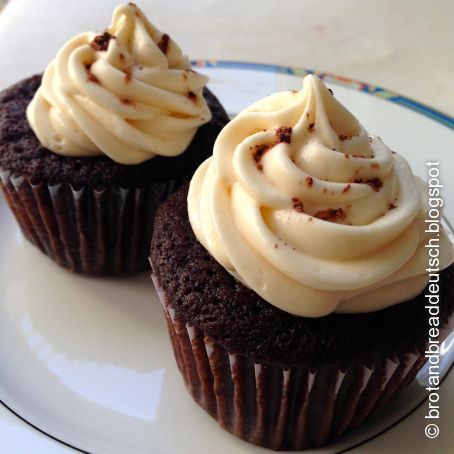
300, 204
128, 93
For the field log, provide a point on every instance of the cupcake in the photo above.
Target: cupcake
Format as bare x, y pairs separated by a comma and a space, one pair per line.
293, 282
88, 151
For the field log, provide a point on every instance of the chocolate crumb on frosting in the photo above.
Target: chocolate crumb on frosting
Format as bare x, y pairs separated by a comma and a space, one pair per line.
101, 42
343, 137
192, 96
331, 91
284, 134
311, 127
297, 205
392, 206
257, 154
128, 74
309, 181
347, 188
90, 76
331, 214
164, 43
374, 183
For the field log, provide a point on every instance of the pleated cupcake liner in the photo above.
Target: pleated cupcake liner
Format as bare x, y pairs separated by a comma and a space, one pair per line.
96, 231
282, 408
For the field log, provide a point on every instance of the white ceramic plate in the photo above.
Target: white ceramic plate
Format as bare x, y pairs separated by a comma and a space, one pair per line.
87, 360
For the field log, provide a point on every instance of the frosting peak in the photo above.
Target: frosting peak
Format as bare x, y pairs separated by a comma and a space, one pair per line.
128, 93
304, 207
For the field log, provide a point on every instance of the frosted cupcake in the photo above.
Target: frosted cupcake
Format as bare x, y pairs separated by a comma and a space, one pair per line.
87, 153
293, 282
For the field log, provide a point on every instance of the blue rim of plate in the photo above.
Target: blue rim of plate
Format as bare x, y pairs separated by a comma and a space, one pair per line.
373, 90
353, 84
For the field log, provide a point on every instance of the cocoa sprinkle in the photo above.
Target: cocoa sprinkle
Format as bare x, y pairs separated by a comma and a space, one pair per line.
164, 43
309, 181
90, 76
358, 156
331, 214
257, 154
374, 183
346, 189
284, 134
297, 205
101, 42
128, 75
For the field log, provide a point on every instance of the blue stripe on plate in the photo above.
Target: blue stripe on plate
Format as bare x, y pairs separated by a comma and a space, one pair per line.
427, 111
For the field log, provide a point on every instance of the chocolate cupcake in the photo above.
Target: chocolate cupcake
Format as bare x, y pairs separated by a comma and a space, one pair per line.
87, 152
294, 289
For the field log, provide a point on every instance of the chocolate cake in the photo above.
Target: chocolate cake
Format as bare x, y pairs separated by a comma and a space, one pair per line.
89, 214
269, 377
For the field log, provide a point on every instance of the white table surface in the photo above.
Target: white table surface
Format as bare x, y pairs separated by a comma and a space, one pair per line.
404, 45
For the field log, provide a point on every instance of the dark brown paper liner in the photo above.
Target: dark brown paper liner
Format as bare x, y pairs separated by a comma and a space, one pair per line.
280, 408
87, 230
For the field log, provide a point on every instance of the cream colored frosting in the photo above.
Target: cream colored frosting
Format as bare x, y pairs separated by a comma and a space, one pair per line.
317, 219
131, 97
